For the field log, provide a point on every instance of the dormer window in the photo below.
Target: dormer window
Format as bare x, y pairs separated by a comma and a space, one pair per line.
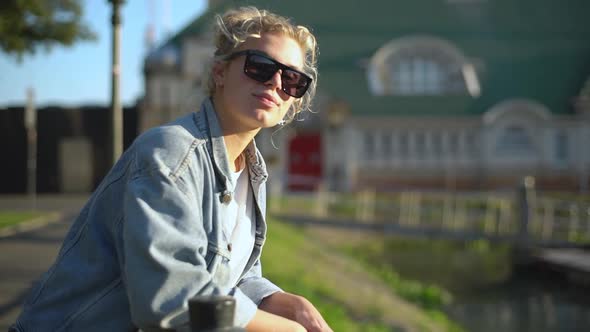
421, 66
514, 139
417, 75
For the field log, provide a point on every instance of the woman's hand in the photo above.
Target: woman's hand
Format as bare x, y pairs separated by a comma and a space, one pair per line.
308, 316
296, 308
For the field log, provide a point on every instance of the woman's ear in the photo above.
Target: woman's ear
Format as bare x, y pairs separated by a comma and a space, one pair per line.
219, 69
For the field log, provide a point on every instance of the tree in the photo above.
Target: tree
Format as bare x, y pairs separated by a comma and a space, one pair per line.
26, 25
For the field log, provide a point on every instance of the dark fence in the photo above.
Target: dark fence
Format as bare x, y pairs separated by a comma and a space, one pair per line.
54, 124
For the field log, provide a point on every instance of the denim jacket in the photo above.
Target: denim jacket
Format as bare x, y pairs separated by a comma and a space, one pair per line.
150, 238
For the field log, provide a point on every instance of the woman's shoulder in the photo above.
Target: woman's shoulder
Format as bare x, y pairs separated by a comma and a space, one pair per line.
169, 144
179, 131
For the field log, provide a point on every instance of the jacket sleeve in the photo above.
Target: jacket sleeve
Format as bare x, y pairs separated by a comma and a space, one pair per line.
164, 250
255, 286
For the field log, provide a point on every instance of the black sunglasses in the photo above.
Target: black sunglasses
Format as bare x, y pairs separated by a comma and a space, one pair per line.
261, 68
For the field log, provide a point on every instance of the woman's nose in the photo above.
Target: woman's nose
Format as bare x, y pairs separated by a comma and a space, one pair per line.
275, 80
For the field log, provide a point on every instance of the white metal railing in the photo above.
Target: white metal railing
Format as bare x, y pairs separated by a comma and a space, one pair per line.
488, 213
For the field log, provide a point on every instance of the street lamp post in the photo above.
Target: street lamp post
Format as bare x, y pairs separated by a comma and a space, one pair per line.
116, 113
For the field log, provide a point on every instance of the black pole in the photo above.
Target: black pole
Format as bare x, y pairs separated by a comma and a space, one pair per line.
525, 203
212, 314
526, 198
116, 112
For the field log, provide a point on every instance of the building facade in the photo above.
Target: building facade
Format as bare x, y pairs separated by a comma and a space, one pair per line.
454, 94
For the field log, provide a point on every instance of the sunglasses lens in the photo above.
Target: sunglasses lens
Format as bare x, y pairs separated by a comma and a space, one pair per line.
262, 69
294, 83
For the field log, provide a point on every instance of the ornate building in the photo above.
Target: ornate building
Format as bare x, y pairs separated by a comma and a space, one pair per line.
459, 94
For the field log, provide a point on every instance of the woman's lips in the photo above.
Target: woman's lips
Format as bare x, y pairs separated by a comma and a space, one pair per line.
266, 99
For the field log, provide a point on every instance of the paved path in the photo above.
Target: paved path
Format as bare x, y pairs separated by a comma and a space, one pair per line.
43, 202
25, 256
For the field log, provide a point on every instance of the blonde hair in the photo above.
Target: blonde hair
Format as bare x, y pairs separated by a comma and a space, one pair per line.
236, 25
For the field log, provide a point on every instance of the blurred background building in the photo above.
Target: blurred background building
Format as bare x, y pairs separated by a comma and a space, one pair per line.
453, 94
437, 94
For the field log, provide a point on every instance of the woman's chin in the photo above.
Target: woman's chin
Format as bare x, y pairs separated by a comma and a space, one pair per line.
268, 124
266, 119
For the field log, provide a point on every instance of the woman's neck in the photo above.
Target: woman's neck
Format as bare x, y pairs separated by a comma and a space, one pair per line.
236, 139
235, 144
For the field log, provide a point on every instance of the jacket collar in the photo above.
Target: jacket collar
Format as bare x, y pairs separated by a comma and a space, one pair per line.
256, 165
255, 162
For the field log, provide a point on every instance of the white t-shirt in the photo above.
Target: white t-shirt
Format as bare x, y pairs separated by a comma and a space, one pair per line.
240, 226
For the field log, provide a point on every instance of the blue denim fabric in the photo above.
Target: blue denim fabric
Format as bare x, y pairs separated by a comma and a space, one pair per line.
150, 238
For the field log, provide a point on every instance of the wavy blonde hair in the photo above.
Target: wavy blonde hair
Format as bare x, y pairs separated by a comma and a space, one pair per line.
236, 25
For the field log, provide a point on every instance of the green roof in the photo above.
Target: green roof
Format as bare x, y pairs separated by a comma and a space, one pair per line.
538, 49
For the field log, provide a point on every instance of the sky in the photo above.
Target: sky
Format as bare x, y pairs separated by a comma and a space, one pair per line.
80, 74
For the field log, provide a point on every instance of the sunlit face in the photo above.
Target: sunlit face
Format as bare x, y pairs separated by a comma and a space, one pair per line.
246, 104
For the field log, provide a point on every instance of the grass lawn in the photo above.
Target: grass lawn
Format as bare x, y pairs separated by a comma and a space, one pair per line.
349, 297
10, 218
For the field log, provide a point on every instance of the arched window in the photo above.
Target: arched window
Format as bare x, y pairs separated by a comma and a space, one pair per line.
421, 66
514, 139
515, 128
417, 75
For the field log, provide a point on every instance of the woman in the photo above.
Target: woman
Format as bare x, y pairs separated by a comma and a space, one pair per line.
182, 212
